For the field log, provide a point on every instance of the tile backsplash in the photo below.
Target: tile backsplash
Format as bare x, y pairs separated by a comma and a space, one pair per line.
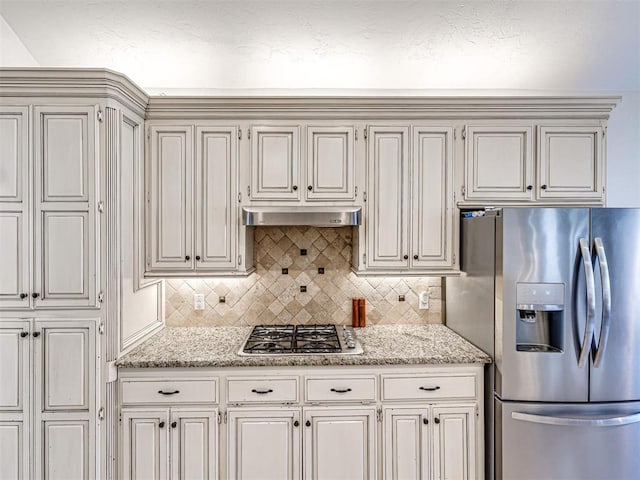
302, 294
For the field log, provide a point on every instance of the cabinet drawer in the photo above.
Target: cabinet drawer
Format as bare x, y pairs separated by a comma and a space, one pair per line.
169, 391
423, 386
262, 390
338, 389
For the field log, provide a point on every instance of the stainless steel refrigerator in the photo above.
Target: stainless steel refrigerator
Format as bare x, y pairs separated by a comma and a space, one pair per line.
553, 294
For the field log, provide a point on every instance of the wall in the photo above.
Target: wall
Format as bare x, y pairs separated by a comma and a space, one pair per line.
13, 53
269, 296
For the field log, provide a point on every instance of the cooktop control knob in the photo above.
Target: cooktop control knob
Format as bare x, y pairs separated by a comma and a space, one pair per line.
349, 341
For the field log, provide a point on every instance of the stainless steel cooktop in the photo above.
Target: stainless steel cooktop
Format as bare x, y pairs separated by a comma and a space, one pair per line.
301, 340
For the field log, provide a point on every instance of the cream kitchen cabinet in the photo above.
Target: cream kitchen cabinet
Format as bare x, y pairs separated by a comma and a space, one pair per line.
502, 168
48, 399
48, 207
280, 163
410, 200
454, 442
193, 224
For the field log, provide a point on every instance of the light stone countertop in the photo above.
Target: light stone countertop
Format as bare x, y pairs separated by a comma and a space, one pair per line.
178, 347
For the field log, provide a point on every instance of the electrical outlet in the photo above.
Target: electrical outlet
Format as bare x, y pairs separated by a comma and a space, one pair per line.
198, 301
423, 300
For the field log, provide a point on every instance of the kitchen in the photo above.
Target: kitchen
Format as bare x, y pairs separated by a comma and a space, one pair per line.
129, 292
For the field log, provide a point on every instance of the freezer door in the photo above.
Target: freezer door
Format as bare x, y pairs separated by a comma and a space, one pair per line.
615, 235
536, 248
567, 441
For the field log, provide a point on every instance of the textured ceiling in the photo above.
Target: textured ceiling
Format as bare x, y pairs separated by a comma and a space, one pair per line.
163, 46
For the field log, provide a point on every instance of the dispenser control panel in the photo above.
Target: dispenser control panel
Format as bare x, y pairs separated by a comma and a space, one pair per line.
533, 294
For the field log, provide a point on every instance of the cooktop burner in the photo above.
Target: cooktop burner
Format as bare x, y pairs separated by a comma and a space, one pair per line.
300, 340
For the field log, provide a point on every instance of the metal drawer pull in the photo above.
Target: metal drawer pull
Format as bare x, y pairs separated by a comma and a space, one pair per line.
429, 389
262, 392
341, 390
162, 392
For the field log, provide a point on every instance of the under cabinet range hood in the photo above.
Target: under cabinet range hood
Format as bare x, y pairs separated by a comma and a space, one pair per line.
306, 216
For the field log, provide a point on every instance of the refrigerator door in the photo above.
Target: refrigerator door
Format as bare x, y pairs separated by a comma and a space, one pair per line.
616, 354
568, 441
539, 262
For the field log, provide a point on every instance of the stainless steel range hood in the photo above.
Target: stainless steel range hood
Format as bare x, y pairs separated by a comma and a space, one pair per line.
308, 216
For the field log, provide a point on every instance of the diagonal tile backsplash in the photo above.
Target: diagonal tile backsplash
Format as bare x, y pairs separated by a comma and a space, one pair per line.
270, 297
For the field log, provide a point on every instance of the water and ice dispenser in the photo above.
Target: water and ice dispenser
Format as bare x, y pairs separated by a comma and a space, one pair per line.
540, 317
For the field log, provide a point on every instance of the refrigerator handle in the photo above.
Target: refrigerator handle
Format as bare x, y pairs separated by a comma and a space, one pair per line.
591, 302
577, 422
606, 302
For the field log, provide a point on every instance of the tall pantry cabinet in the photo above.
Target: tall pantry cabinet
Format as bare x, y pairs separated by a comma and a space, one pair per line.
71, 294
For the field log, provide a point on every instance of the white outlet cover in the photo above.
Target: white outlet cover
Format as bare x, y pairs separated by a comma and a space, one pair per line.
423, 301
198, 301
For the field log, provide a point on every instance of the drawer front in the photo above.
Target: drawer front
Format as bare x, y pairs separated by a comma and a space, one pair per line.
262, 390
339, 389
427, 387
169, 391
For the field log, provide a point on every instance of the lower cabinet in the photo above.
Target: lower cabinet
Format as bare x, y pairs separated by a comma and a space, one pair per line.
53, 363
421, 442
177, 443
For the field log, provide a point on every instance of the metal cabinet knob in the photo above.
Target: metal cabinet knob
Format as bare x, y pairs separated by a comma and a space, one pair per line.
23, 296
436, 420
425, 421
529, 187
187, 258
198, 257
35, 295
161, 425
295, 187
308, 423
415, 257
174, 424
309, 188
406, 257
296, 423
543, 187
36, 334
24, 334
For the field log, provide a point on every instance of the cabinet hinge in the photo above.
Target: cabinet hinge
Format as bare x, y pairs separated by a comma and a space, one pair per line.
99, 115
454, 134
604, 131
379, 414
101, 414
239, 259
364, 131
477, 412
464, 133
249, 191
364, 258
148, 262
454, 258
248, 138
364, 196
101, 206
219, 418
463, 190
239, 197
101, 328
224, 418
239, 134
101, 297
355, 134
148, 134
355, 193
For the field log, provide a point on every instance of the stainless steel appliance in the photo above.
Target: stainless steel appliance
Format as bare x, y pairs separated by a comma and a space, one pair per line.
553, 294
300, 340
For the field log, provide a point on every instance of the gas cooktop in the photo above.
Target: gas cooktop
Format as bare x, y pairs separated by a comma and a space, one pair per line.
300, 340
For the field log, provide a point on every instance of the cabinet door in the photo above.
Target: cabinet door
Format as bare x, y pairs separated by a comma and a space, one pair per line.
499, 162
387, 217
330, 163
194, 449
144, 448
171, 198
275, 163
215, 179
432, 197
14, 207
263, 443
14, 399
340, 443
454, 442
66, 240
570, 163
65, 388
406, 443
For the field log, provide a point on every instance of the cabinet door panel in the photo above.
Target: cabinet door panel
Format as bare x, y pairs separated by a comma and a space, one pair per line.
499, 162
14, 259
65, 358
454, 447
330, 163
275, 160
171, 192
340, 443
406, 444
570, 162
14, 366
432, 197
387, 223
14, 456
263, 444
14, 207
216, 160
66, 451
145, 444
194, 444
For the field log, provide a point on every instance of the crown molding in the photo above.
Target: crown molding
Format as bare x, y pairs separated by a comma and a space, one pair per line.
73, 83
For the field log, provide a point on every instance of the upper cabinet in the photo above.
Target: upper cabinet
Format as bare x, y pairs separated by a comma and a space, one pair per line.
506, 164
192, 189
48, 207
302, 162
410, 201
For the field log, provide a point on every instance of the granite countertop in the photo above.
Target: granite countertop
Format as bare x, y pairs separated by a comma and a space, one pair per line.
177, 347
